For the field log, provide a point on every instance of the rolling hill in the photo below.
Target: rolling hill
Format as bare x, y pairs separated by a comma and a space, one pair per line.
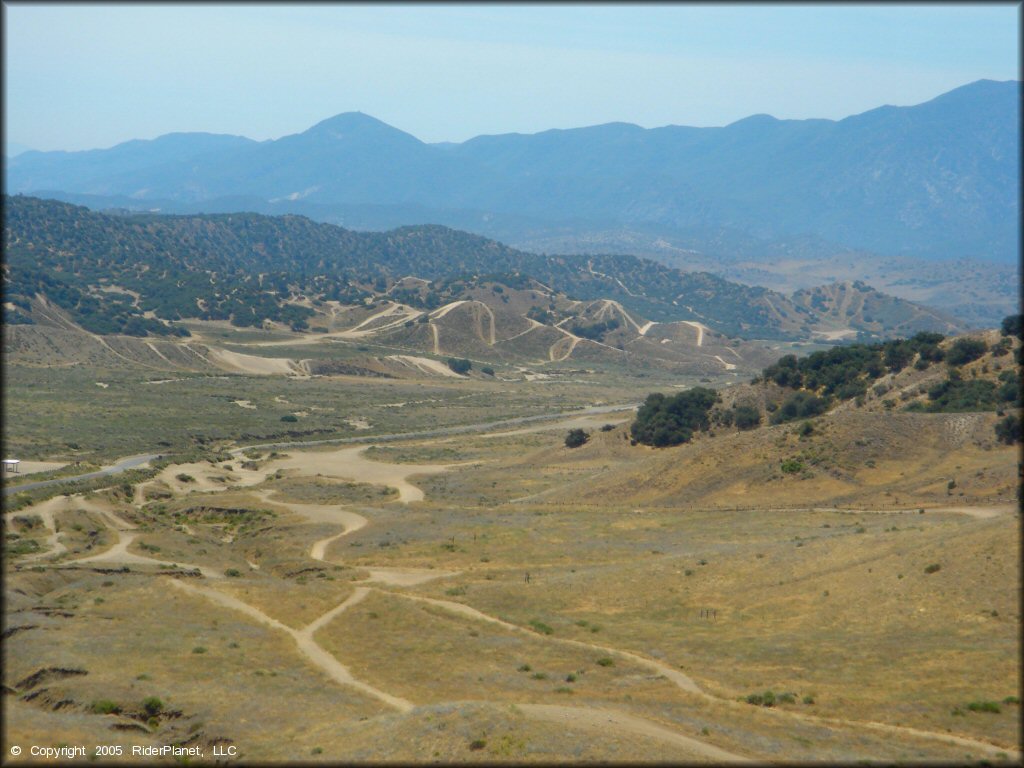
141, 274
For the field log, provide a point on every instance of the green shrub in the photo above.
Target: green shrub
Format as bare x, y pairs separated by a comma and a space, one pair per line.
459, 365
524, 668
576, 438
792, 466
199, 649
541, 627
932, 568
185, 478
746, 417
104, 707
605, 661
152, 705
1008, 430
984, 706
290, 417
766, 699
477, 744
233, 573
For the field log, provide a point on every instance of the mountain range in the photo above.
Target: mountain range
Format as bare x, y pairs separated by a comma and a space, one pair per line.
939, 180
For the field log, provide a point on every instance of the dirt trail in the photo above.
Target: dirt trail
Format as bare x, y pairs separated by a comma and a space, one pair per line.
573, 341
980, 513
439, 313
426, 365
437, 339
604, 719
677, 677
259, 366
303, 638
399, 577
700, 331
349, 464
687, 684
119, 555
580, 716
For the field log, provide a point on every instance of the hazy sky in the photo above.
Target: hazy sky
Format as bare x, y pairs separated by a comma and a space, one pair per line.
86, 76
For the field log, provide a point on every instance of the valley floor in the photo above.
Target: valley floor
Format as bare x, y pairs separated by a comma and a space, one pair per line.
493, 595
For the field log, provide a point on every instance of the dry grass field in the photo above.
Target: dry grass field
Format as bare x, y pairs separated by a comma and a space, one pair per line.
496, 596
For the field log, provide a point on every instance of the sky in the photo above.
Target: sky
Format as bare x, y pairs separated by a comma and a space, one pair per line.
88, 76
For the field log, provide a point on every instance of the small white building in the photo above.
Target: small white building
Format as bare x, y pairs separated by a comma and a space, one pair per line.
11, 465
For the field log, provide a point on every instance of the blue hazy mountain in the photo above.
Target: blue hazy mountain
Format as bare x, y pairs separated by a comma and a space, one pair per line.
936, 180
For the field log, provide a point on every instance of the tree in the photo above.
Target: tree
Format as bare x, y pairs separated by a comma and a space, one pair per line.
1013, 325
746, 417
459, 365
801, 405
965, 351
1008, 430
576, 438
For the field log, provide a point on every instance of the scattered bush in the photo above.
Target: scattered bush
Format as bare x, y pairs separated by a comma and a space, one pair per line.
290, 417
605, 661
152, 705
1008, 430
459, 365
984, 706
233, 573
184, 478
576, 438
104, 707
792, 466
766, 699
932, 568
746, 417
541, 627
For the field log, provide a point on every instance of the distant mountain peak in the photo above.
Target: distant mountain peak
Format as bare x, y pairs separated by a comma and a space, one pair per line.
356, 125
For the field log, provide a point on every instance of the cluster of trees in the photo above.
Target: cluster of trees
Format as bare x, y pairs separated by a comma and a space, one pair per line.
845, 372
595, 331
957, 394
663, 421
842, 373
